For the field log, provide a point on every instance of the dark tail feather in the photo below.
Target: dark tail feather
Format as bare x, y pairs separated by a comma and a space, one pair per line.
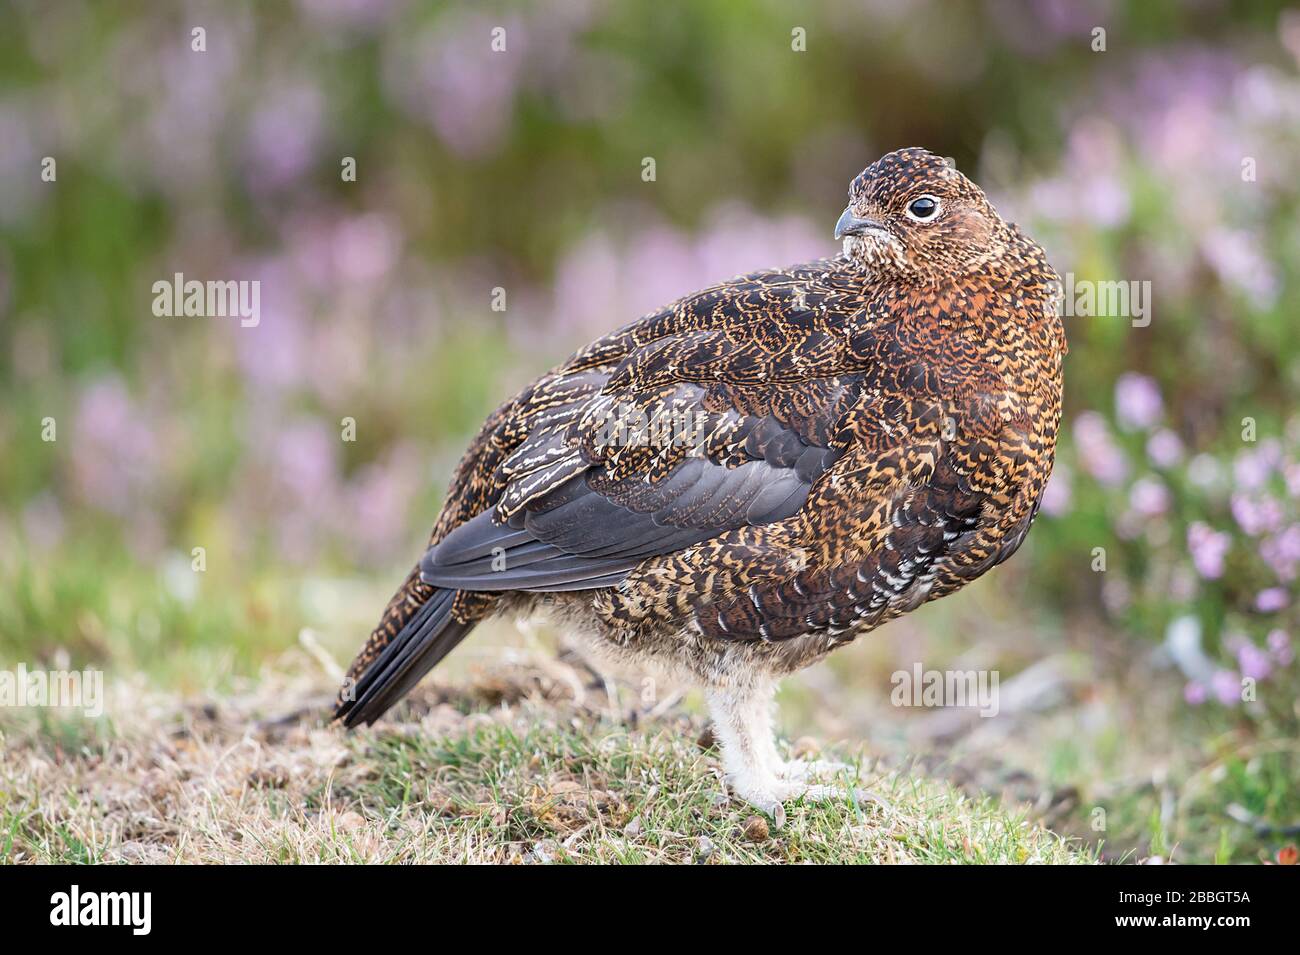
427, 637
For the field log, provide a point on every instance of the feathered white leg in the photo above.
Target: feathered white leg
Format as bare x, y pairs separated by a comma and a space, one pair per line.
742, 720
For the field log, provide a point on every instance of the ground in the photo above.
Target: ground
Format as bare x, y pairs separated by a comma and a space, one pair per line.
530, 760
214, 744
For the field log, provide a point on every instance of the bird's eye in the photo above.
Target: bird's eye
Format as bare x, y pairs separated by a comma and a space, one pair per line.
923, 209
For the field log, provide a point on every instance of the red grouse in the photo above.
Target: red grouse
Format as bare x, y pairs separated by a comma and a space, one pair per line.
761, 471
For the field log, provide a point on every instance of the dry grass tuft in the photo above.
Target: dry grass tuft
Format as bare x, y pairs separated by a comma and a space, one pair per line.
527, 762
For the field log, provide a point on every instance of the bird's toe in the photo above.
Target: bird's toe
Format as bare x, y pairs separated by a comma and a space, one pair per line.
820, 792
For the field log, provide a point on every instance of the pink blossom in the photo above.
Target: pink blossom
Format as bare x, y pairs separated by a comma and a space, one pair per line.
1282, 552
1292, 475
1138, 405
1256, 516
1097, 449
1195, 693
1240, 261
283, 135
1208, 548
1056, 496
1271, 600
1149, 497
1227, 687
1254, 662
449, 76
1252, 468
117, 465
1164, 448
1279, 644
365, 247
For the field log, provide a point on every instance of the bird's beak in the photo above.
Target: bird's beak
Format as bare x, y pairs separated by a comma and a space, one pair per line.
850, 224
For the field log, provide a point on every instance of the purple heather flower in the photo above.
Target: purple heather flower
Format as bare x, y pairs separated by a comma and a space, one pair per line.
1279, 644
1195, 693
379, 500
1227, 687
1138, 405
304, 456
1252, 468
1282, 552
450, 77
1208, 548
1239, 260
1271, 600
283, 135
1256, 516
1149, 497
1244, 513
1056, 496
1165, 449
275, 354
1254, 662
365, 247
1037, 29
1097, 450
1106, 200
1292, 474
1233, 643
117, 465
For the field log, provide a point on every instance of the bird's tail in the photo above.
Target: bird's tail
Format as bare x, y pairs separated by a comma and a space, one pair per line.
417, 631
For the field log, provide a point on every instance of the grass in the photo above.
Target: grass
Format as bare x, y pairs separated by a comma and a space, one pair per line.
195, 759
511, 766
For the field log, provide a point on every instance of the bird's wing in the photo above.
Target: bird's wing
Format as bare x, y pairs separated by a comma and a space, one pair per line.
718, 413
740, 388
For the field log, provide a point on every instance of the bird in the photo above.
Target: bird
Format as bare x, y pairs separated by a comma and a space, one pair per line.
762, 471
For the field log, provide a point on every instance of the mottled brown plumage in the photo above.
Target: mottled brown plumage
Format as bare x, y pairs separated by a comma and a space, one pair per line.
764, 470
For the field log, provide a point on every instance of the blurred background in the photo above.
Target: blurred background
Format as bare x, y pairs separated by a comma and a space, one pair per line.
1160, 578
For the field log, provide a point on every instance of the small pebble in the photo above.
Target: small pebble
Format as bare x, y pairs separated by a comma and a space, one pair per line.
546, 851
756, 829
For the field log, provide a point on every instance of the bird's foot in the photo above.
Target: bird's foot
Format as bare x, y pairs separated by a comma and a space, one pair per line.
742, 720
771, 796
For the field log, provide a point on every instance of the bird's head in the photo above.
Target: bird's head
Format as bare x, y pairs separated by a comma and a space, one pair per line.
913, 215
